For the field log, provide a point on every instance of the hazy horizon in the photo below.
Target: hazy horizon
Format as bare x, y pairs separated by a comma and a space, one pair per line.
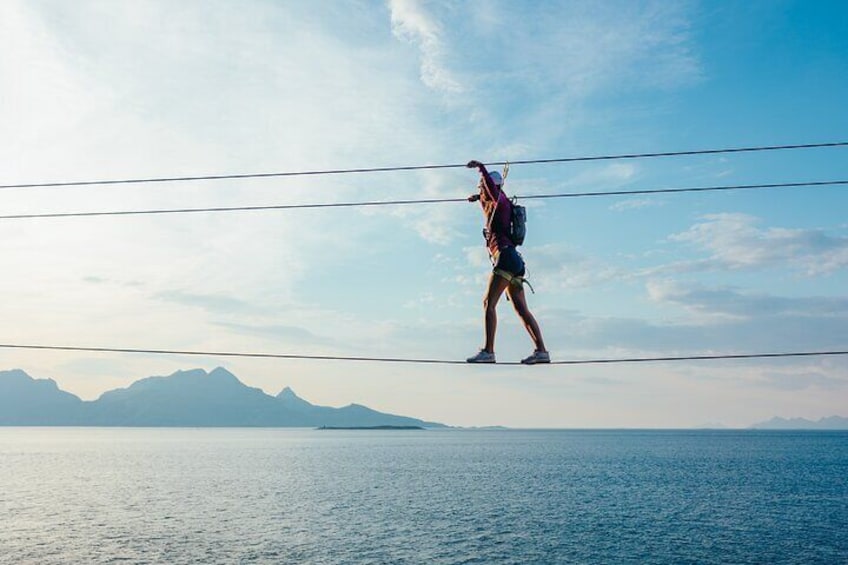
393, 418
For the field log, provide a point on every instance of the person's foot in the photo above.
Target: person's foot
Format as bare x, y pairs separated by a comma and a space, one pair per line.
482, 356
537, 357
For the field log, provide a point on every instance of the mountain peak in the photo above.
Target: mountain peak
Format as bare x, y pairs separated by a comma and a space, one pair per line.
289, 396
21, 378
26, 401
221, 373
17, 374
778, 423
287, 393
185, 374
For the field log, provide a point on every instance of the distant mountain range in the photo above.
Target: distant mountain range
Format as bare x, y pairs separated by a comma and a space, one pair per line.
196, 398
831, 423
192, 398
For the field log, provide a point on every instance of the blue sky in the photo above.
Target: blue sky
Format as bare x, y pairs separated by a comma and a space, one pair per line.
111, 90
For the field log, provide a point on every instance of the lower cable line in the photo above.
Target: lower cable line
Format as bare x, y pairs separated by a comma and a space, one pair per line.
259, 355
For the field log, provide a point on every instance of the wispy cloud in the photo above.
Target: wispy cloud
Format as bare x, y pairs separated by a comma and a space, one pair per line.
635, 204
695, 332
787, 380
413, 23
559, 266
287, 335
551, 266
736, 242
216, 303
731, 302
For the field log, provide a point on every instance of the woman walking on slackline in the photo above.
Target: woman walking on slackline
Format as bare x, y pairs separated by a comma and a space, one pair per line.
508, 272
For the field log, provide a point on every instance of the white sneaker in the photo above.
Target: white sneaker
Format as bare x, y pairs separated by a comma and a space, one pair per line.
482, 356
537, 357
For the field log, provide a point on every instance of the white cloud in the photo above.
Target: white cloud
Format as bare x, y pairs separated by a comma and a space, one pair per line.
695, 332
727, 301
735, 242
525, 80
411, 22
434, 223
558, 266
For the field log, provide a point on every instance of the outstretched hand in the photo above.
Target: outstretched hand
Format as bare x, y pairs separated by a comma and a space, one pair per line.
473, 164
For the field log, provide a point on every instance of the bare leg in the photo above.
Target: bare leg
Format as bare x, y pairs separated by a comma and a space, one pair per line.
519, 301
493, 293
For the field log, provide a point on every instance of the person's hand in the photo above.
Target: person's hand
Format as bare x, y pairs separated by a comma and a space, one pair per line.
474, 198
473, 164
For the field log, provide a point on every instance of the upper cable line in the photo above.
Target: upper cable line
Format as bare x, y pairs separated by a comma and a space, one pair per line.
372, 203
242, 176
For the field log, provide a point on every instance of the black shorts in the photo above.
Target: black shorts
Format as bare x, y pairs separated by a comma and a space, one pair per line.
509, 260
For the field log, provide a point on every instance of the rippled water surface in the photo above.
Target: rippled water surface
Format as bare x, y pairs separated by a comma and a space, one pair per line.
76, 495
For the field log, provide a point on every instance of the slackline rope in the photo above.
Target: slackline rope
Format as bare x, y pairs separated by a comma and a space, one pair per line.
422, 167
420, 201
418, 361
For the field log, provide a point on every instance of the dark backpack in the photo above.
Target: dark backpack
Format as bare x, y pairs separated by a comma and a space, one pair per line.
517, 222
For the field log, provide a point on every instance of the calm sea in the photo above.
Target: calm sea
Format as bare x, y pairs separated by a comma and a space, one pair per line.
98, 495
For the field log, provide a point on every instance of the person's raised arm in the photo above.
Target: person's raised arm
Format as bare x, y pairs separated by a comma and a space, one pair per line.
492, 190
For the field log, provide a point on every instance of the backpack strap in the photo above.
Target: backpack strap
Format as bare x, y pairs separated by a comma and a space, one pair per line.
490, 220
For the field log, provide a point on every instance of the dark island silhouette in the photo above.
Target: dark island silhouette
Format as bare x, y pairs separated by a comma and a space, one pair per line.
191, 398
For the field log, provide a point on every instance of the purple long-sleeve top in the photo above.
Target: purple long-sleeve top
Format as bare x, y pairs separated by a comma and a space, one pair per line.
497, 216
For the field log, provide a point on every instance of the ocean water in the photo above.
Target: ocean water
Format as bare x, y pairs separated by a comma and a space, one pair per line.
99, 495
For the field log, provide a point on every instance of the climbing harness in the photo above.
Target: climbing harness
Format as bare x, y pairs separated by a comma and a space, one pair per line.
513, 279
